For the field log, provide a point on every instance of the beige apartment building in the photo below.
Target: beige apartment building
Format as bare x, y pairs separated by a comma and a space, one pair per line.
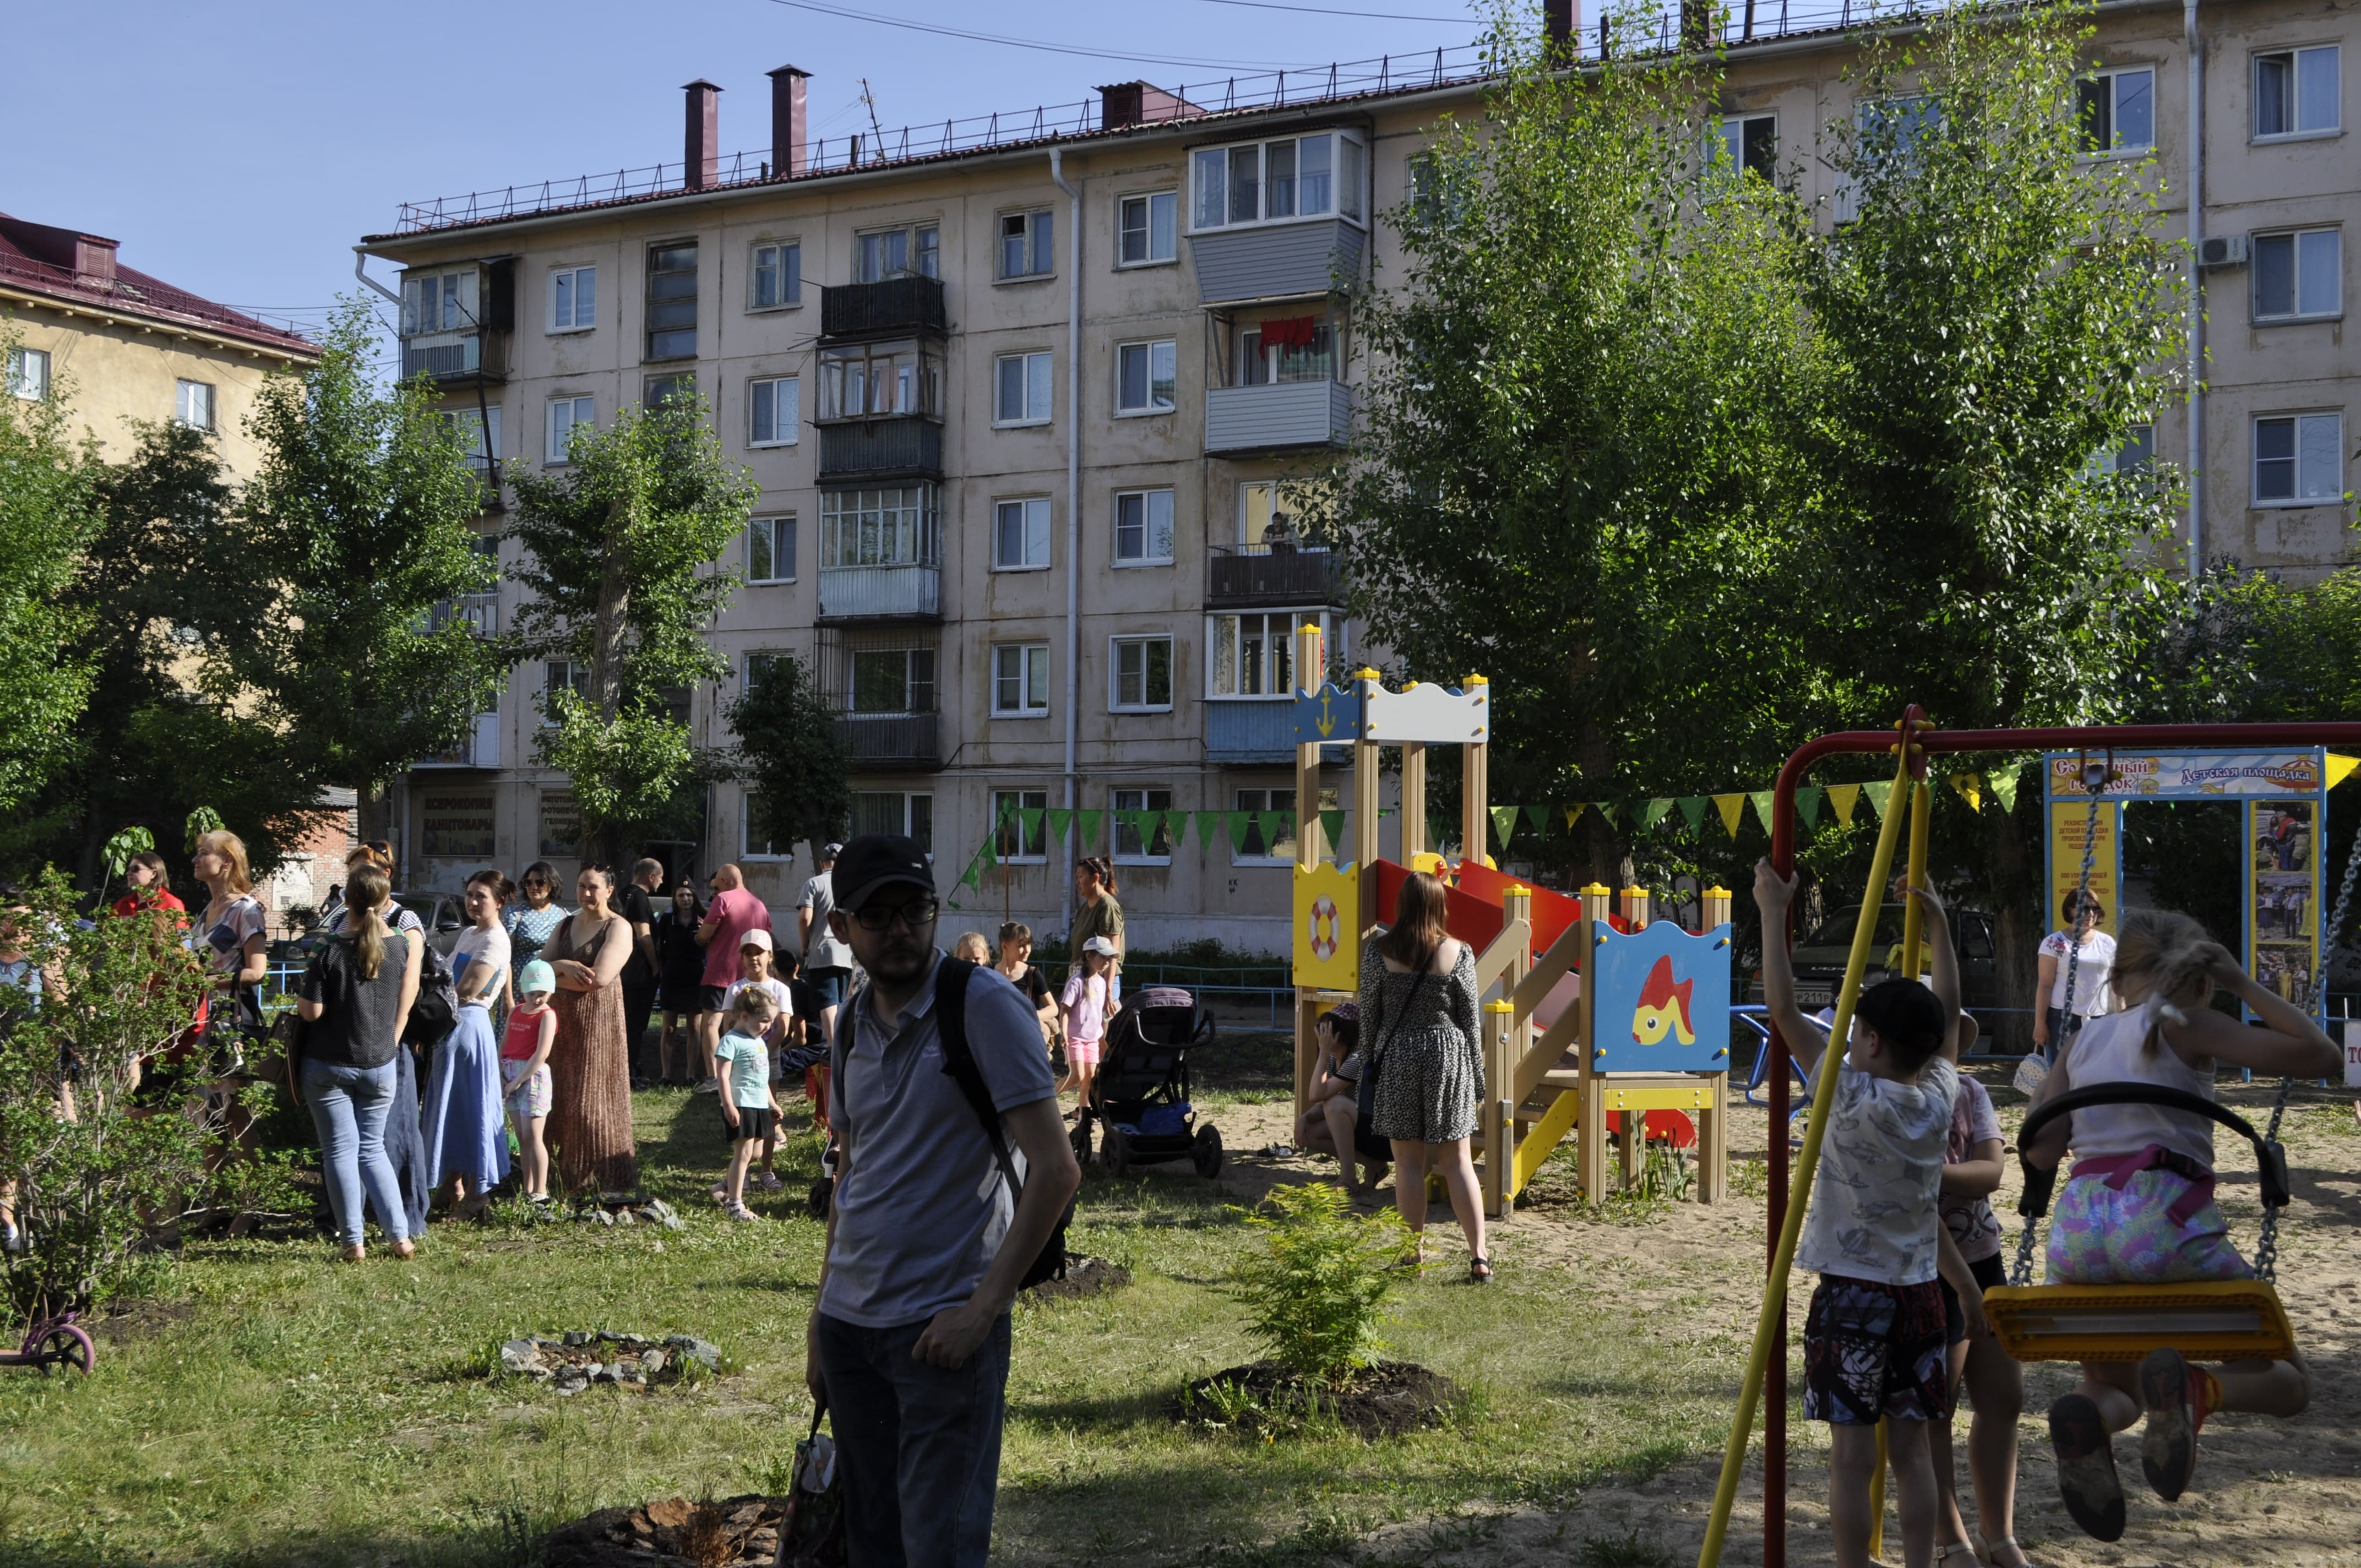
1018, 394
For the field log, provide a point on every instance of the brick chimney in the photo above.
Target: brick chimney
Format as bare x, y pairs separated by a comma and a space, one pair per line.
787, 151
1125, 103
1561, 22
702, 150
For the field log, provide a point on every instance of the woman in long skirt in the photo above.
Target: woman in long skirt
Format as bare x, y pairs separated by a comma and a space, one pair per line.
465, 1144
590, 1114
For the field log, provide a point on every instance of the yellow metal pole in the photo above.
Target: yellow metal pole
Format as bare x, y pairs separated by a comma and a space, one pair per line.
1914, 923
1774, 1294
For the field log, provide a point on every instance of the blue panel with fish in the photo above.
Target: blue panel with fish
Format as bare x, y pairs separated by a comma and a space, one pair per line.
1660, 1001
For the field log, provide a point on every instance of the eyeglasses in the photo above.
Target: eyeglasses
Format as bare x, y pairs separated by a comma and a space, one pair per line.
918, 912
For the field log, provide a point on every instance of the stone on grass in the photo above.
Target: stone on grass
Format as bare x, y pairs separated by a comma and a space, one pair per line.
696, 1349
520, 1355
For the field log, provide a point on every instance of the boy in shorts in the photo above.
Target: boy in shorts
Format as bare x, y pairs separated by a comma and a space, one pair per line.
1877, 1337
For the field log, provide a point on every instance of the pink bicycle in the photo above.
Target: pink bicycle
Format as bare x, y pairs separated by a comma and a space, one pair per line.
55, 1342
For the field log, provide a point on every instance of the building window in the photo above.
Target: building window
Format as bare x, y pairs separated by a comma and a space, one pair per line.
893, 526
1019, 833
1148, 229
658, 390
1020, 534
28, 373
760, 667
1021, 384
1253, 655
562, 675
1750, 144
572, 299
1020, 680
1144, 374
2118, 110
193, 404
1142, 670
438, 301
1131, 846
771, 548
1269, 837
2134, 456
776, 277
1298, 348
1276, 182
2299, 459
672, 300
909, 813
469, 425
1025, 248
774, 411
895, 253
2296, 92
898, 681
862, 381
2298, 276
564, 416
1143, 528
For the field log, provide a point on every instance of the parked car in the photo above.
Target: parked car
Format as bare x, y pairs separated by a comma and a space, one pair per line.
442, 916
1820, 958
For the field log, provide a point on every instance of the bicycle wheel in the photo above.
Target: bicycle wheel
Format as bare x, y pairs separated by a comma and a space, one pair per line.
65, 1346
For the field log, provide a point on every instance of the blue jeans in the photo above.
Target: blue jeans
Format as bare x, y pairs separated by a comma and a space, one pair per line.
349, 1106
920, 1445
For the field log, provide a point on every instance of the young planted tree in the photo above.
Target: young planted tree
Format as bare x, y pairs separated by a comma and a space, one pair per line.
621, 545
48, 514
792, 756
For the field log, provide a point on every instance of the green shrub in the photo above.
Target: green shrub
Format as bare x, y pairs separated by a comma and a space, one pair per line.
1315, 1285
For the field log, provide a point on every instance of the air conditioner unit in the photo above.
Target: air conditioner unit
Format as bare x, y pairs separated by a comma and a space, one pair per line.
2222, 251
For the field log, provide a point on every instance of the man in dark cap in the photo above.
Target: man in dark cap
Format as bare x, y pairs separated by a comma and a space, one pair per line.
935, 1220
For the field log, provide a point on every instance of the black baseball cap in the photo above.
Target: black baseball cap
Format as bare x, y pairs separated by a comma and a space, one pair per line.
874, 861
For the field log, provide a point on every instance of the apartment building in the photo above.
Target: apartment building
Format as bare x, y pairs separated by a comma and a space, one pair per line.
1021, 393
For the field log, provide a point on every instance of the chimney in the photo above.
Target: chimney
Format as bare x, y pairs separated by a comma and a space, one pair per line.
702, 150
788, 154
93, 260
1561, 22
1125, 103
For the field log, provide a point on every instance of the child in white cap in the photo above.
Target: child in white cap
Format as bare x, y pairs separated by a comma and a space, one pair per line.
755, 955
524, 1072
1084, 1006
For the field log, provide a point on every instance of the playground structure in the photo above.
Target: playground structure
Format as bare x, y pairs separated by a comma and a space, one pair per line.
1637, 1036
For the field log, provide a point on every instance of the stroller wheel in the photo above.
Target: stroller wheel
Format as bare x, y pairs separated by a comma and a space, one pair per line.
1081, 1138
1114, 1153
1206, 1155
823, 1193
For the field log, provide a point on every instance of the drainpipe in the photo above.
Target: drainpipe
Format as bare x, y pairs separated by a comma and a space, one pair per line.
2196, 287
1073, 504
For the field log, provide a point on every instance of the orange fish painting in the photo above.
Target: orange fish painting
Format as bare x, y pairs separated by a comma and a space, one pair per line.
1663, 1008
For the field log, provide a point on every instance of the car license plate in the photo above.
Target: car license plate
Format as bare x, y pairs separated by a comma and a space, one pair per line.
1814, 995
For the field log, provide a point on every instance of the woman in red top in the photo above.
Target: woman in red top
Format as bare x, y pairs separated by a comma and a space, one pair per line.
146, 877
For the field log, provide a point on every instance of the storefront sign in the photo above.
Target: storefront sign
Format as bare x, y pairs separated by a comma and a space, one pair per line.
456, 824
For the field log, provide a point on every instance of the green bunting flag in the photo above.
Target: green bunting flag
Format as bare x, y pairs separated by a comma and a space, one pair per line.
1030, 824
1436, 827
1765, 803
1174, 824
1238, 821
1504, 823
1536, 818
1655, 811
1609, 809
2003, 783
986, 856
1807, 806
1209, 823
1059, 818
1880, 793
968, 878
1090, 826
1332, 828
1692, 810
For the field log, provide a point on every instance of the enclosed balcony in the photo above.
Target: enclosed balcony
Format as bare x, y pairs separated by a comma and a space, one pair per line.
901, 446
480, 749
1279, 261
453, 358
886, 742
1251, 577
1249, 732
1276, 416
880, 593
894, 307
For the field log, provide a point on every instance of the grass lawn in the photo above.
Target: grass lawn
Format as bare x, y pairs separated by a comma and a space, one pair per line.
275, 1408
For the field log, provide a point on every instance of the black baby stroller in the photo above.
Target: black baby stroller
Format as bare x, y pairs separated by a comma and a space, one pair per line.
1140, 1096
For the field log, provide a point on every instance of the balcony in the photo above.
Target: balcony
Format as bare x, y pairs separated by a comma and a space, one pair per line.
889, 742
880, 593
479, 613
900, 447
896, 307
456, 359
1241, 732
482, 749
1258, 576
1277, 261
1282, 414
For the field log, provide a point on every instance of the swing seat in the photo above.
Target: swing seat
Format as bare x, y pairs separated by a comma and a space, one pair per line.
2211, 1319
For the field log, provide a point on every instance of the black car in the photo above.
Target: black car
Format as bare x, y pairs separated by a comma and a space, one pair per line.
1820, 958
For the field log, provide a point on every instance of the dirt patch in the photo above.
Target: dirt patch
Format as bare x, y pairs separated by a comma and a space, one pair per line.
1083, 1277
1386, 1398
737, 1532
141, 1319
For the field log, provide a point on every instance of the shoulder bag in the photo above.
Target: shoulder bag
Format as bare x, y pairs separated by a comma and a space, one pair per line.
1364, 1098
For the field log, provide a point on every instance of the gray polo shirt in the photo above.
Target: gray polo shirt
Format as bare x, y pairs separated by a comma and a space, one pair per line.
924, 1207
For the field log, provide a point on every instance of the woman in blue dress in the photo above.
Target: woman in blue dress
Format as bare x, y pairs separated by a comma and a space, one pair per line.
531, 923
461, 1118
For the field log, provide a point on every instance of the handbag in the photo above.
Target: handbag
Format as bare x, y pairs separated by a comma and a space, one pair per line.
812, 1532
1365, 1096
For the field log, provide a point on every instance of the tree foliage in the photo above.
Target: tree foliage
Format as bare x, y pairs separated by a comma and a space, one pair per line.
48, 514
792, 756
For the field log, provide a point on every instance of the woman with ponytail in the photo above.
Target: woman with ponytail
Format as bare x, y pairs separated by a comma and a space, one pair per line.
355, 996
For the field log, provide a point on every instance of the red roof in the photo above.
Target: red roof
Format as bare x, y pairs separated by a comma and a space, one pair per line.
81, 269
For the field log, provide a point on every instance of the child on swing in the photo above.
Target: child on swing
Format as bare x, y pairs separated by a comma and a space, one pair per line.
2138, 1207
1878, 1334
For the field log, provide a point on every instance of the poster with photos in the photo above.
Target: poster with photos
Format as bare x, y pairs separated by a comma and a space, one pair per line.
2283, 883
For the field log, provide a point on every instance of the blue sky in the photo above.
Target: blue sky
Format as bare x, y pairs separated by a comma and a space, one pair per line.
239, 149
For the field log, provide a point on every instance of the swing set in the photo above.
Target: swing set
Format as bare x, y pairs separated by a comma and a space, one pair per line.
2211, 1321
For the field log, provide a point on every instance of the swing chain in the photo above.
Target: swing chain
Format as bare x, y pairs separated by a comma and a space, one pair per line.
2267, 1249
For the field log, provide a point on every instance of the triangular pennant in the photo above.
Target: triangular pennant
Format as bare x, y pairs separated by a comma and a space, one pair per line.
1504, 823
1970, 788
1655, 811
1881, 794
2340, 768
1007, 813
988, 855
1729, 805
1610, 810
1537, 817
1807, 806
1574, 814
1435, 830
2004, 786
1238, 823
968, 878
1331, 828
1692, 810
1208, 824
1766, 806
1060, 818
1089, 827
1845, 798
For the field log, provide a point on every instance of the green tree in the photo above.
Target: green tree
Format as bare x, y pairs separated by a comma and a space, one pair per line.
48, 514
621, 545
792, 756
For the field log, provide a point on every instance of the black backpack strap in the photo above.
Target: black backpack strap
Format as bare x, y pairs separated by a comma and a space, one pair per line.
951, 977
840, 1046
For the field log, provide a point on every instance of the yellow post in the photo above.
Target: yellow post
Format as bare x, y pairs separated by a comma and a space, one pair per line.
1877, 1497
1475, 791
1774, 1294
1590, 1125
1914, 923
1365, 809
1713, 1125
1716, 912
1635, 908
1414, 801
1496, 1121
1310, 845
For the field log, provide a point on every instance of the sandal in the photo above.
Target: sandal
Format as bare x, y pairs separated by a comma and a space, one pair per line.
1480, 1271
2087, 1483
2179, 1397
1993, 1550
1954, 1549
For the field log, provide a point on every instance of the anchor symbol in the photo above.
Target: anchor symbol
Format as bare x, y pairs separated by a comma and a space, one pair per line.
1327, 725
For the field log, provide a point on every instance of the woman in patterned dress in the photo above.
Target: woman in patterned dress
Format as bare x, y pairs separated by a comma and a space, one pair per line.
532, 922
1419, 1035
590, 1109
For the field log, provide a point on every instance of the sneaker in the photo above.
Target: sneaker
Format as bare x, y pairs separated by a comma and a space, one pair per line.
769, 1181
740, 1212
2087, 1483
708, 1086
2179, 1397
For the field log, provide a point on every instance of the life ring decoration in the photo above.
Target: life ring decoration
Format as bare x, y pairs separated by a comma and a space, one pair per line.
1322, 925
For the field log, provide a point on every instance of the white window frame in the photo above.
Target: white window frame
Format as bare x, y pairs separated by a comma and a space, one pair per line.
794, 421
1294, 618
880, 525
1030, 657
1033, 523
2296, 420
186, 397
1023, 799
916, 254
1046, 374
746, 848
574, 321
2293, 54
23, 380
1037, 232
576, 677
2112, 76
1146, 201
788, 260
580, 409
1348, 177
461, 301
921, 665
1147, 498
1146, 854
1725, 147
1116, 646
2295, 238
776, 523
910, 814
1147, 348
1237, 857
2107, 462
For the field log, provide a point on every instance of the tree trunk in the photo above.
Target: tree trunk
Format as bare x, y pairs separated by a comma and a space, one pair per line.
2017, 925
